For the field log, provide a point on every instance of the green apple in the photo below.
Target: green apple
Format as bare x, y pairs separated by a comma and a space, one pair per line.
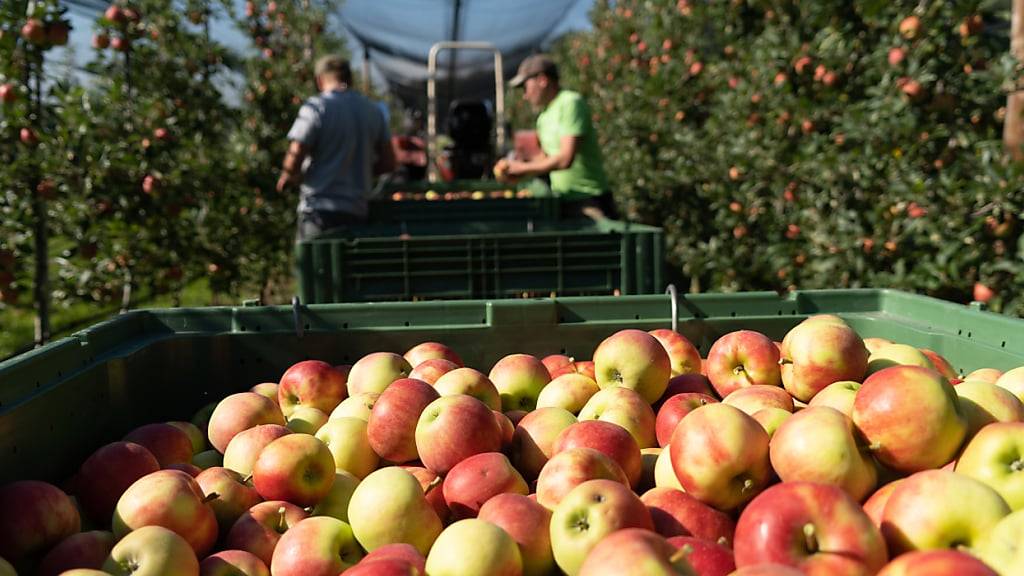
357, 406
635, 360
771, 419
838, 395
995, 456
628, 409
471, 547
519, 379
152, 551
335, 504
897, 355
375, 372
208, 459
1003, 547
347, 440
568, 391
664, 475
1013, 380
471, 383
984, 403
305, 419
195, 435
533, 439
388, 507
818, 352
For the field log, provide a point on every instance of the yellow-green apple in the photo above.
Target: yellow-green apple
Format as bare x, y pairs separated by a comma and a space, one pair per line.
875, 343
554, 362
376, 371
611, 439
519, 379
682, 354
648, 462
635, 552
82, 550
1013, 380
357, 406
707, 558
169, 444
940, 363
258, 530
471, 383
151, 551
720, 456
635, 360
305, 419
839, 395
201, 418
107, 473
529, 524
508, 429
391, 428
430, 483
819, 444
470, 547
268, 389
296, 468
195, 435
406, 553
1001, 548
985, 375
911, 418
589, 513
818, 352
453, 428
233, 563
335, 504
172, 499
312, 383
995, 456
675, 409
389, 507
743, 358
239, 412
771, 419
228, 495
347, 440
874, 506
534, 438
686, 383
624, 407
72, 572
897, 355
246, 446
6, 569
664, 475
817, 528
431, 351
569, 391
316, 546
759, 396
937, 563
36, 516
984, 403
430, 370
570, 468
676, 513
477, 479
940, 509
208, 459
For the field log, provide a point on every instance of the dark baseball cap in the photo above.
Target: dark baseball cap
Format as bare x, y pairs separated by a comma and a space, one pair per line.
533, 65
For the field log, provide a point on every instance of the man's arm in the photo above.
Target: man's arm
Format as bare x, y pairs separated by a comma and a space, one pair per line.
291, 168
386, 161
543, 163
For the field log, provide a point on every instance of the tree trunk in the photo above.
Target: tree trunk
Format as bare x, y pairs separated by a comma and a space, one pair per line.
1013, 128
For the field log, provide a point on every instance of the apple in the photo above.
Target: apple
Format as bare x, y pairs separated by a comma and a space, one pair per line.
937, 563
239, 412
477, 479
985, 375
582, 367
720, 456
635, 552
258, 530
664, 475
471, 383
995, 456
305, 419
756, 397
913, 520
707, 558
571, 468
676, 513
28, 137
430, 483
743, 358
107, 473
682, 354
470, 547
391, 427
587, 514
268, 389
357, 406
819, 444
940, 363
376, 371
569, 391
208, 459
100, 41
430, 370
675, 409
172, 499
611, 439
389, 507
534, 437
817, 528
349, 445
508, 429
1001, 548
57, 33
431, 351
529, 524
686, 383
819, 351
34, 32
897, 355
114, 14
519, 379
151, 550
201, 418
874, 506
911, 418
196, 436
186, 467
36, 516
635, 360
555, 362
233, 563
984, 403
245, 447
405, 553
624, 407
453, 428
875, 343
228, 495
335, 504
771, 419
316, 546
1013, 380
81, 550
312, 383
296, 468
169, 444
839, 395
8, 93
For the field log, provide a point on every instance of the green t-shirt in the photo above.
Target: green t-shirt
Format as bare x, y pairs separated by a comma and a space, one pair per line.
568, 115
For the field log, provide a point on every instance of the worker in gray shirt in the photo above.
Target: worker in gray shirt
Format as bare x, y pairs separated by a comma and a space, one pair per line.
339, 141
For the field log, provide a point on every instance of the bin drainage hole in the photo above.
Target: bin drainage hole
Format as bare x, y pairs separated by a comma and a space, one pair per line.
307, 326
637, 316
968, 334
37, 384
959, 332
257, 328
345, 325
733, 314
1003, 344
60, 373
406, 322
563, 350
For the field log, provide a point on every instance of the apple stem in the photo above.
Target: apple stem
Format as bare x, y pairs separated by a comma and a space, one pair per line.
247, 479
680, 554
737, 370
875, 446
1017, 466
210, 497
433, 484
281, 524
784, 361
748, 485
809, 538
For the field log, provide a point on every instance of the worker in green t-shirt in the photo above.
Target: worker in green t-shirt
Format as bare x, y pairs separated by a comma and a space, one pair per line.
571, 156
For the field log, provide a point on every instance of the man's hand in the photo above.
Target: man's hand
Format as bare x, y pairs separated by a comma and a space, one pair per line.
285, 181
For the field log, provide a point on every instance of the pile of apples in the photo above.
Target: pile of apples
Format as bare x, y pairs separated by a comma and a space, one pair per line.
460, 195
823, 454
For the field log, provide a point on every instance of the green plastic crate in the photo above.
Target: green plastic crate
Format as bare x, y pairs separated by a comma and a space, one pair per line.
62, 401
473, 260
385, 210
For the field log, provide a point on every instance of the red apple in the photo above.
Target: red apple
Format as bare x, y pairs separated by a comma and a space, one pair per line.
114, 14
375, 372
28, 137
676, 513
391, 428
634, 552
430, 370
984, 375
477, 479
168, 443
757, 397
554, 362
534, 438
229, 496
682, 354
245, 447
519, 379
258, 530
529, 525
1013, 380
172, 499
686, 383
819, 351
406, 553
34, 32
100, 41
430, 484
940, 363
239, 412
311, 383
937, 563
635, 360
297, 468
122, 44
233, 563
675, 409
431, 351
611, 439
36, 516
57, 33
572, 467
874, 506
707, 558
453, 428
471, 383
82, 550
317, 546
8, 93
743, 358
508, 429
107, 473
